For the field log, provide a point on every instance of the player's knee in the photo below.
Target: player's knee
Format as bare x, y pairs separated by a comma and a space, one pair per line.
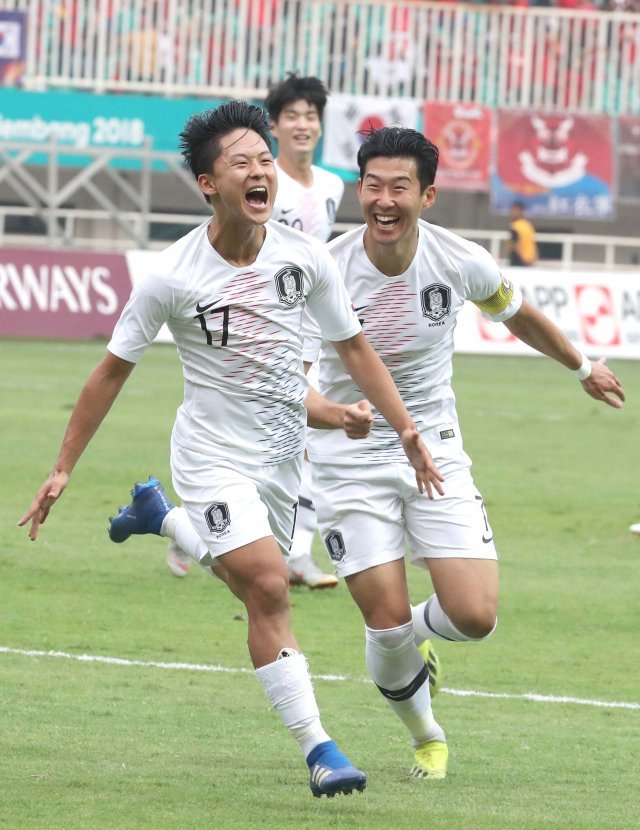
478, 625
477, 622
268, 593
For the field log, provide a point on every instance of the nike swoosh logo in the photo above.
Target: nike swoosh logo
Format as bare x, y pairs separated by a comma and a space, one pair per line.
357, 310
200, 309
486, 541
286, 211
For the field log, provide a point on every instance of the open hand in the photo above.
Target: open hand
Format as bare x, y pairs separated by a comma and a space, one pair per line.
428, 477
602, 385
45, 498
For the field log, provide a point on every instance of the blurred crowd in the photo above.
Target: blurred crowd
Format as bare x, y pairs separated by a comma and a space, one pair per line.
199, 42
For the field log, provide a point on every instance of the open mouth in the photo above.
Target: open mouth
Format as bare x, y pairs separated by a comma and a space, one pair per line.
386, 222
257, 196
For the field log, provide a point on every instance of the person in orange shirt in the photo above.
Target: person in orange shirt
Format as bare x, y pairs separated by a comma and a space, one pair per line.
522, 247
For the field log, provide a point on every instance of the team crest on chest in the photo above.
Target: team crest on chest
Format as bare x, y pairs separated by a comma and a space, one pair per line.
218, 516
436, 301
335, 545
289, 285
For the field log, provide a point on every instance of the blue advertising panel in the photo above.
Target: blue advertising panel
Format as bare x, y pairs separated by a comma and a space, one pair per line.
80, 121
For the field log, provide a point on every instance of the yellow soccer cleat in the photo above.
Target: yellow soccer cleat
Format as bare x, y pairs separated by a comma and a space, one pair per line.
432, 660
431, 760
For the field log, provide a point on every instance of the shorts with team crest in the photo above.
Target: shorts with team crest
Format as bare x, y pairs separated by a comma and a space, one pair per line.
231, 504
373, 513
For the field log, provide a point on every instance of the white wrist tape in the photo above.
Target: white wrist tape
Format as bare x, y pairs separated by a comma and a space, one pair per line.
585, 369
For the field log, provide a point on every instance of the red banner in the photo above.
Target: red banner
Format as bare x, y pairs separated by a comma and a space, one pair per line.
61, 294
558, 165
462, 134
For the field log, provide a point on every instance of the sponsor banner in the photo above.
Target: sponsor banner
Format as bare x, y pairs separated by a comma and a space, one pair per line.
73, 295
628, 147
558, 165
462, 134
12, 47
61, 294
346, 116
599, 313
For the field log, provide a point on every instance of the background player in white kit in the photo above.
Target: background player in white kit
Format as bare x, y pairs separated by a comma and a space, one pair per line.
238, 439
408, 280
308, 199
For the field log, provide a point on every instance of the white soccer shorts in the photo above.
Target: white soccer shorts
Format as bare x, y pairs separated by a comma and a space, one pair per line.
372, 514
231, 504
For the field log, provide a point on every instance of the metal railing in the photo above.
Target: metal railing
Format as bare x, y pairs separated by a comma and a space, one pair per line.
538, 58
63, 229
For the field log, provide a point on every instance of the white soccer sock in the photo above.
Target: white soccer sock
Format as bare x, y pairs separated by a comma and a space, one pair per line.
431, 623
398, 670
287, 684
176, 526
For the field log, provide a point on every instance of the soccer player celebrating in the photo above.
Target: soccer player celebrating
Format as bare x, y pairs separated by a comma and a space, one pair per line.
408, 280
233, 292
308, 198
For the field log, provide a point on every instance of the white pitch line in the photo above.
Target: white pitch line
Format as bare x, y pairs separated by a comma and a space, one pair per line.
340, 678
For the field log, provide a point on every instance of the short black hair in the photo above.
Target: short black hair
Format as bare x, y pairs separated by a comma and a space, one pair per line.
200, 138
294, 88
400, 142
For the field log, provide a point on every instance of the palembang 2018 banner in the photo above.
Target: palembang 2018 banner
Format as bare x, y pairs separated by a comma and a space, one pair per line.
347, 116
461, 133
558, 165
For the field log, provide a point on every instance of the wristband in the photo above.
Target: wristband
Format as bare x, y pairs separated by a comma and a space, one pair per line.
585, 369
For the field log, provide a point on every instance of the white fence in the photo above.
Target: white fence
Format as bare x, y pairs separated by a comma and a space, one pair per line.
538, 58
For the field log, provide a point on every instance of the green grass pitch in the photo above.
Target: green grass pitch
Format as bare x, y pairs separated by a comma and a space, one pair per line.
90, 745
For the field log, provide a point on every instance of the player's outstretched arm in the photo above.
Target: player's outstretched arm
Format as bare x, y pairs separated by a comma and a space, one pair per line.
96, 398
372, 376
537, 331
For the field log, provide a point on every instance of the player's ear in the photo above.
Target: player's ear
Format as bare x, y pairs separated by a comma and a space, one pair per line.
429, 197
207, 184
359, 187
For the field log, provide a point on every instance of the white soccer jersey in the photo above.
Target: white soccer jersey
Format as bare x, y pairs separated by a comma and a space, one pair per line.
409, 320
309, 209
238, 332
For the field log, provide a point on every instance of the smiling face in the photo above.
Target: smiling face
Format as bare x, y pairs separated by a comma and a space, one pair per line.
392, 199
297, 130
243, 184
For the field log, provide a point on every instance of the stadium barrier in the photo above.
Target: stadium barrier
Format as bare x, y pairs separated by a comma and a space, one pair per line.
559, 60
71, 295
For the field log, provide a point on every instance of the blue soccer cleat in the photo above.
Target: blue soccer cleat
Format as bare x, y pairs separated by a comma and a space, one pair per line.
145, 514
331, 772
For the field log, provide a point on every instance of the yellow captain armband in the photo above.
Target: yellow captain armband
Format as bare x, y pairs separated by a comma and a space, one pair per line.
499, 300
